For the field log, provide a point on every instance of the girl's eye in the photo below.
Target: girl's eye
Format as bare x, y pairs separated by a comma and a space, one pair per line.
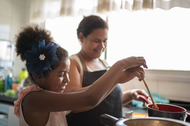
61, 75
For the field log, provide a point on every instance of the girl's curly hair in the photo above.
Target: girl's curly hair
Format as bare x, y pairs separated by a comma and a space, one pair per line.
33, 34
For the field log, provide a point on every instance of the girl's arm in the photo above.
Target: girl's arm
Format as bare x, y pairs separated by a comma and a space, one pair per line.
76, 85
47, 101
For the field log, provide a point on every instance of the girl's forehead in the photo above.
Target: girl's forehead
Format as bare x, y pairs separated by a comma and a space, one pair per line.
65, 63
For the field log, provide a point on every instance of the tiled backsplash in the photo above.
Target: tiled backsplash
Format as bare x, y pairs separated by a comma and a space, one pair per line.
174, 85
13, 15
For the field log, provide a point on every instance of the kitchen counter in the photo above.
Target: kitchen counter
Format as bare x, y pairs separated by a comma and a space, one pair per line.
135, 109
7, 100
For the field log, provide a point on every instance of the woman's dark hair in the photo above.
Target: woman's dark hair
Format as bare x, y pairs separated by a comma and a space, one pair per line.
33, 34
89, 23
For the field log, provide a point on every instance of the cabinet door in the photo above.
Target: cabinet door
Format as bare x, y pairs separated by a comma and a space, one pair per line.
12, 118
4, 114
3, 121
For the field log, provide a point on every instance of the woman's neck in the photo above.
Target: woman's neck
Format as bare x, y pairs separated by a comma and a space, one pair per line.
87, 58
93, 64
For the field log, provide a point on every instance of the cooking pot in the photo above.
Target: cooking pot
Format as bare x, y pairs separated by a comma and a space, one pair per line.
168, 111
109, 120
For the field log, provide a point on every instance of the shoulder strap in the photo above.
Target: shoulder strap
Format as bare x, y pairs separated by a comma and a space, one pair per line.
81, 64
105, 64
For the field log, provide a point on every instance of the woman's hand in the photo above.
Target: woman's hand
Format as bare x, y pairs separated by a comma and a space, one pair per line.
140, 95
129, 74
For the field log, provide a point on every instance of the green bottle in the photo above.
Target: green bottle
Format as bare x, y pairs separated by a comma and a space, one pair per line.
23, 75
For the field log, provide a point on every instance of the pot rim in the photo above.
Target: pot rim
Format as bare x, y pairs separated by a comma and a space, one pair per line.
167, 105
159, 118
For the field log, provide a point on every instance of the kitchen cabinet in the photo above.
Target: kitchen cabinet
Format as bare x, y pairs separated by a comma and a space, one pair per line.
4, 114
7, 117
12, 118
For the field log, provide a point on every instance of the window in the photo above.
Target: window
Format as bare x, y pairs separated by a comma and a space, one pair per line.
161, 36
64, 32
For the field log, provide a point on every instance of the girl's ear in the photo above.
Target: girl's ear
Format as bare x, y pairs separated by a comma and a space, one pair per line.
36, 77
81, 37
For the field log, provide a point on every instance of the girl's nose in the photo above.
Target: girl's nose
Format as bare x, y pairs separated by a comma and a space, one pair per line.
66, 78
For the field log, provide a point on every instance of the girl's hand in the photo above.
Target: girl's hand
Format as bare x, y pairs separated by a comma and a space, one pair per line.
133, 61
140, 95
129, 74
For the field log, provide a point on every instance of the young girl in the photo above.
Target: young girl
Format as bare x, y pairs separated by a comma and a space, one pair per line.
44, 103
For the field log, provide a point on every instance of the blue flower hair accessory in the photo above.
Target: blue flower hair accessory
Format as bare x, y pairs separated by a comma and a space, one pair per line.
41, 57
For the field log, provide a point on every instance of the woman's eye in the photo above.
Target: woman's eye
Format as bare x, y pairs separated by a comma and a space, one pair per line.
105, 41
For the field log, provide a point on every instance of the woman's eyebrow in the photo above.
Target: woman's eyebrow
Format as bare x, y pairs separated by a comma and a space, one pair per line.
96, 39
100, 39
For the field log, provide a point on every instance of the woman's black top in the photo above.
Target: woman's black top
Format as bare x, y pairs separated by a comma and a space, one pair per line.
111, 105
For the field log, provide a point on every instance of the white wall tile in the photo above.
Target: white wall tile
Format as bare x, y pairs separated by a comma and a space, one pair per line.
135, 84
4, 36
18, 65
174, 90
5, 8
20, 2
5, 23
18, 13
12, 17
173, 85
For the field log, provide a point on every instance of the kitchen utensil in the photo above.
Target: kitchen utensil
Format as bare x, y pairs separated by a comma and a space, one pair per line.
109, 120
128, 114
154, 105
168, 111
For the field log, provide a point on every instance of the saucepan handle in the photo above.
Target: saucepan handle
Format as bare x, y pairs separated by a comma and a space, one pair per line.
109, 120
144, 99
188, 113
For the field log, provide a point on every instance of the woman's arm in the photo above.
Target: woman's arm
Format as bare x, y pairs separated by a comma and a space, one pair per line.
136, 94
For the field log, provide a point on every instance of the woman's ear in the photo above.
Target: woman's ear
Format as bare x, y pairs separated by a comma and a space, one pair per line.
81, 37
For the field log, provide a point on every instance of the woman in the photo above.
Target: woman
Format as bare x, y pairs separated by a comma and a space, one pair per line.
87, 67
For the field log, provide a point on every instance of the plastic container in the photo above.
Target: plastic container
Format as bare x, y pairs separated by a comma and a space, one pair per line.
2, 79
1, 84
23, 74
